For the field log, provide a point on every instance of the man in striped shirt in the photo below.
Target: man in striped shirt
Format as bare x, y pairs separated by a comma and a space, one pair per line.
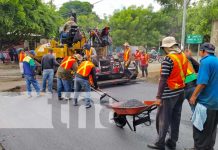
170, 94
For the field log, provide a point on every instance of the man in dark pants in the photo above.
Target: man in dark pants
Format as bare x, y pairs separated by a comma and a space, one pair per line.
48, 63
170, 94
206, 94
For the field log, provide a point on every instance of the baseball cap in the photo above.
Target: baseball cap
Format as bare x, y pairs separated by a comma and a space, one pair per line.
87, 46
210, 48
32, 52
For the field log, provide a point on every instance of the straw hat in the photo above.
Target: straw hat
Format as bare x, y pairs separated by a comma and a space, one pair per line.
169, 42
126, 44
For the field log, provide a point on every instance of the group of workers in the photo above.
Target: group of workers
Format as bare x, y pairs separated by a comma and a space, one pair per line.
73, 74
183, 78
140, 58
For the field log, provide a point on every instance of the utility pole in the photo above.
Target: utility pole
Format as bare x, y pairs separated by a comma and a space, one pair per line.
183, 25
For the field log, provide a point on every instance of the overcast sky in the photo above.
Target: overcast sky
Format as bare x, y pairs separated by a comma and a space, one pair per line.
107, 7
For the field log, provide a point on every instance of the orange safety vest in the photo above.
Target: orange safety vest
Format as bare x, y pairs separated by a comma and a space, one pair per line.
22, 55
89, 54
126, 54
68, 62
144, 59
176, 79
137, 55
85, 68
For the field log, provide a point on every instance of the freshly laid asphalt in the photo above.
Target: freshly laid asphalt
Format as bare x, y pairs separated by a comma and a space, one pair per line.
44, 123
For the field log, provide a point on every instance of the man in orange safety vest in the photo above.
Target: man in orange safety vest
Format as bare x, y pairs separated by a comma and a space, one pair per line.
170, 94
65, 73
84, 73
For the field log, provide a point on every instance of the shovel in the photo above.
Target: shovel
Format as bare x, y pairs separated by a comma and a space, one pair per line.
103, 94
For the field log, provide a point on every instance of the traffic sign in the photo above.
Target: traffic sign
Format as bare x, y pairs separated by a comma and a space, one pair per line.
194, 39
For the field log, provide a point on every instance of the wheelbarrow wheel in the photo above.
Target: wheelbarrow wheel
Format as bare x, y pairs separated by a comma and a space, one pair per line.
119, 120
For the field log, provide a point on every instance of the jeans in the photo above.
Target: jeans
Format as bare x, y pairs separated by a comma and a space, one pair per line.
64, 86
48, 74
80, 83
31, 80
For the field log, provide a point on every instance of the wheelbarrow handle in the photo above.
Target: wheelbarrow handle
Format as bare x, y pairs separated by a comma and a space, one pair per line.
103, 94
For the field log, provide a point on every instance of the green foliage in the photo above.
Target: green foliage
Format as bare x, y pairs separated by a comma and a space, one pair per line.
23, 19
86, 18
81, 8
204, 12
138, 26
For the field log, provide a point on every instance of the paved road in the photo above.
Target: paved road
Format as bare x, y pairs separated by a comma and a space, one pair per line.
43, 123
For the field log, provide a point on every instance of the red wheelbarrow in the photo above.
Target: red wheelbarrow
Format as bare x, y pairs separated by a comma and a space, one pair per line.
140, 114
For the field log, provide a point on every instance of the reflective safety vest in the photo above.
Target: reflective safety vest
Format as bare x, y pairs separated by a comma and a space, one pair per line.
89, 54
85, 68
22, 55
68, 62
137, 55
176, 80
126, 54
191, 74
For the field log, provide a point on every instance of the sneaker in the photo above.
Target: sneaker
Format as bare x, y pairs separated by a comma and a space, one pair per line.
38, 94
75, 104
60, 98
170, 144
88, 106
29, 96
155, 146
68, 99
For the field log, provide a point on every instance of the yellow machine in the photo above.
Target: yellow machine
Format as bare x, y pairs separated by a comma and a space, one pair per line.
60, 51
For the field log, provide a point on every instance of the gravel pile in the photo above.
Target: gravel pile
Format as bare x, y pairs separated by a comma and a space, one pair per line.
132, 103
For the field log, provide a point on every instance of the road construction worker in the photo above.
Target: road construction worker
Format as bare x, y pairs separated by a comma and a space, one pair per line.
137, 57
48, 64
90, 53
22, 55
170, 94
205, 100
143, 63
85, 77
65, 75
127, 59
67, 26
29, 66
191, 77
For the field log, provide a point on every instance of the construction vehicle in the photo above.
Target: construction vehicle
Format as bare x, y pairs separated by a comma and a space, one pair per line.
108, 71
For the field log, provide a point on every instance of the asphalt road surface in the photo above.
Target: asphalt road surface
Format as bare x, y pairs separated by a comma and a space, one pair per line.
44, 123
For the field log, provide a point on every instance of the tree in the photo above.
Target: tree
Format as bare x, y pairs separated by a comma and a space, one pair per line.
22, 19
138, 26
205, 13
81, 8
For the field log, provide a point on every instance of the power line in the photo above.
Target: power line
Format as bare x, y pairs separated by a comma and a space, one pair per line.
97, 2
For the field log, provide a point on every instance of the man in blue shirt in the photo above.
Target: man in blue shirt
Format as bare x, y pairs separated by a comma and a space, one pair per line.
206, 94
29, 73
